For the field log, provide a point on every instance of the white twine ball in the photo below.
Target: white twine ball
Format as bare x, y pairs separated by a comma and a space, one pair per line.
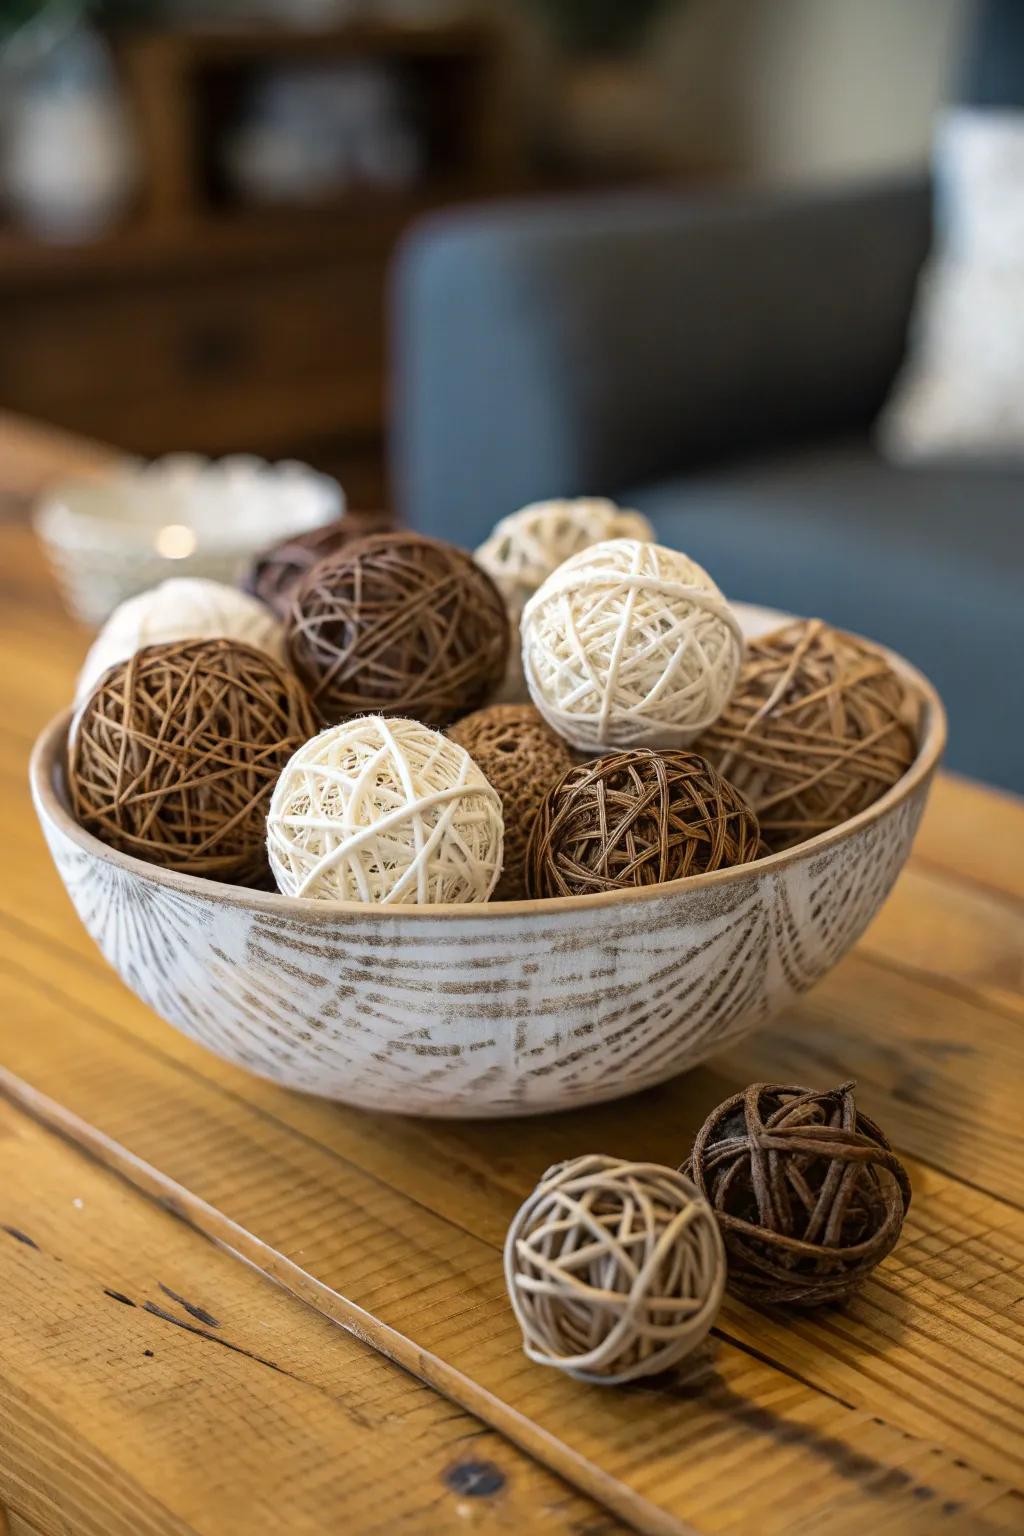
629, 644
615, 1269
184, 608
528, 545
384, 811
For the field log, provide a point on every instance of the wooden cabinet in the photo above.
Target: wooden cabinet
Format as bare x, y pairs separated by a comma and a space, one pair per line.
203, 324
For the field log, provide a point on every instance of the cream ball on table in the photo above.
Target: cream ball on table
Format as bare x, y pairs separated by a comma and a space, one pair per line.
528, 545
630, 644
385, 811
183, 608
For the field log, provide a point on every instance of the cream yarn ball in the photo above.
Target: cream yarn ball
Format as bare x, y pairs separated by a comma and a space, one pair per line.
629, 644
183, 608
528, 545
385, 811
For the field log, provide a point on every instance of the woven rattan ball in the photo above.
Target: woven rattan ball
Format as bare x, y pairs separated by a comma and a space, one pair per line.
175, 754
637, 818
807, 1191
615, 1269
277, 571
630, 644
819, 726
528, 545
398, 624
522, 757
184, 608
384, 811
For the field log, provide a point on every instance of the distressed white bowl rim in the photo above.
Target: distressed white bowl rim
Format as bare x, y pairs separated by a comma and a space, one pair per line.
48, 758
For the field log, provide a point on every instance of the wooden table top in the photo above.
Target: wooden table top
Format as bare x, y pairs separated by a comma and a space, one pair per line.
150, 1382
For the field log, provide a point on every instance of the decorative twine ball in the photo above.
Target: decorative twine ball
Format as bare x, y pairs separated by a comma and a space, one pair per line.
807, 1191
277, 571
175, 754
398, 624
630, 644
528, 545
522, 758
184, 608
614, 1269
384, 811
820, 726
637, 818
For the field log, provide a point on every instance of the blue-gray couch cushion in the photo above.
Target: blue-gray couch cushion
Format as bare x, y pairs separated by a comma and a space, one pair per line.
928, 561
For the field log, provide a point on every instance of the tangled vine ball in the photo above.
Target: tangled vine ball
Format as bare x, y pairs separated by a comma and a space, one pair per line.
630, 644
184, 608
384, 811
637, 818
819, 726
614, 1269
276, 572
398, 624
175, 754
521, 756
807, 1191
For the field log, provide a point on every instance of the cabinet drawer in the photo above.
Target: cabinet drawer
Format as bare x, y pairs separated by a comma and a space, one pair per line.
255, 329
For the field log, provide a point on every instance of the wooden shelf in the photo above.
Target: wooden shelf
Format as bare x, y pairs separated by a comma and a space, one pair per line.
208, 323
248, 40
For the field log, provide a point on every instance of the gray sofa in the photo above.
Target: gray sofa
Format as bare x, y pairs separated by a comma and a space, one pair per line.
717, 363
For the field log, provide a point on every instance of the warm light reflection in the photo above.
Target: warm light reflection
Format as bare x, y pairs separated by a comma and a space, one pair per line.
175, 542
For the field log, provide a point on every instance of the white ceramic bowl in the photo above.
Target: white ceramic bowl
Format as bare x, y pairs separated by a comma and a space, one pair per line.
511, 1008
182, 515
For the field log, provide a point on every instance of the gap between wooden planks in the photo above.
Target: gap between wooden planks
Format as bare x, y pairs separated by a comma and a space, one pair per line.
151, 1384
440, 1289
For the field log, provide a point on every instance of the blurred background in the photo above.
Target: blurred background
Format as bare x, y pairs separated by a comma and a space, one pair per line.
466, 255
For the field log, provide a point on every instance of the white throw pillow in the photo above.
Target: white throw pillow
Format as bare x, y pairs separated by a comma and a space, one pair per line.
961, 390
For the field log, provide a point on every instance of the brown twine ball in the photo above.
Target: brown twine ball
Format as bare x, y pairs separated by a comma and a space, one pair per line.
398, 624
818, 727
276, 572
807, 1191
614, 1269
175, 754
520, 755
637, 818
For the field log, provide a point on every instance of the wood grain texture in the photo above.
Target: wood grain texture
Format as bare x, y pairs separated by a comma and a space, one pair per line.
428, 1280
162, 1356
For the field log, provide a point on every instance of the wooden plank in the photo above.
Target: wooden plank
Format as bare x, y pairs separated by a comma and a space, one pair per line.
33, 456
149, 1383
975, 833
942, 929
334, 1231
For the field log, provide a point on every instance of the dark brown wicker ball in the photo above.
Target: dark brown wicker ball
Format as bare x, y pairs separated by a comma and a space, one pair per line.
276, 572
522, 757
174, 756
398, 624
818, 727
637, 818
808, 1193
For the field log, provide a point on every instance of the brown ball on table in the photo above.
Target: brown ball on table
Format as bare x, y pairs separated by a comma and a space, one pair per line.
818, 727
398, 624
521, 756
637, 818
276, 572
808, 1193
175, 754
